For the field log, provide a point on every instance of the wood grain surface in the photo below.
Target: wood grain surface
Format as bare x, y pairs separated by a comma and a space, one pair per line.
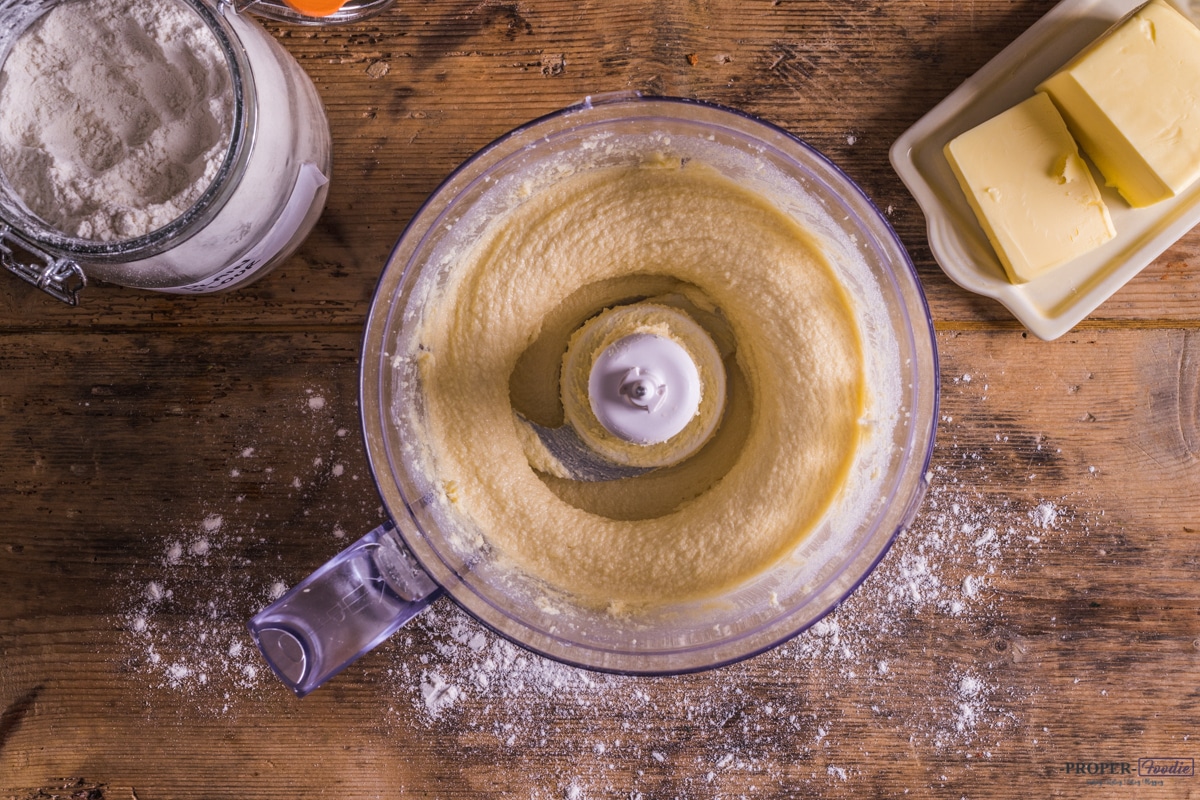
167, 463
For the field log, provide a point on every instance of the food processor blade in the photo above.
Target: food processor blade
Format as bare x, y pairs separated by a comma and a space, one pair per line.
580, 462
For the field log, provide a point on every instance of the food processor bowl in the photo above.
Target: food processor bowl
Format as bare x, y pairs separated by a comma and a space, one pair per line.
890, 468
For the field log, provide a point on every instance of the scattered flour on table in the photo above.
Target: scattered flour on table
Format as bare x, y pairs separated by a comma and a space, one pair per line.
1045, 515
857, 663
187, 621
944, 565
877, 660
807, 698
187, 609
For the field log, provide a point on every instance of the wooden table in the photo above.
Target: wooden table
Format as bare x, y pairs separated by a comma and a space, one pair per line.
167, 463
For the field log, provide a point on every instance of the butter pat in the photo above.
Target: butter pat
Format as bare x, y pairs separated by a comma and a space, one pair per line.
1030, 189
1132, 100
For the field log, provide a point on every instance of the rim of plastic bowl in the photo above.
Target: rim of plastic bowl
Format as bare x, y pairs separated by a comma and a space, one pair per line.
921, 394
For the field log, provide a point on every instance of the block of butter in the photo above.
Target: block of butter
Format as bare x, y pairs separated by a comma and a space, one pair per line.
1132, 100
1030, 189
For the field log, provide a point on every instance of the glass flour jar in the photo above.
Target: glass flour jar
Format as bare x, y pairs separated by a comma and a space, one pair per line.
267, 193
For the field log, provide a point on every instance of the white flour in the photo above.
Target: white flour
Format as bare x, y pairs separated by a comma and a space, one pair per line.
943, 565
187, 610
116, 116
793, 714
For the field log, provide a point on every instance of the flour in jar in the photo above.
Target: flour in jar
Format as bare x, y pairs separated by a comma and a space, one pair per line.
115, 116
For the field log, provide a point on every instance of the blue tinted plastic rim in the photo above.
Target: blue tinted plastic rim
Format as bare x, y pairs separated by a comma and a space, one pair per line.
919, 333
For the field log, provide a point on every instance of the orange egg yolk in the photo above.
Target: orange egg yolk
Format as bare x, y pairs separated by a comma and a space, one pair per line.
316, 8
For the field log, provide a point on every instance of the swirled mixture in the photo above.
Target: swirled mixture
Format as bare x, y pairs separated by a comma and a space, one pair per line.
677, 233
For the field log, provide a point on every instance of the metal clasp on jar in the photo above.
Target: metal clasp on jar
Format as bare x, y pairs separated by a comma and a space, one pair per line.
60, 278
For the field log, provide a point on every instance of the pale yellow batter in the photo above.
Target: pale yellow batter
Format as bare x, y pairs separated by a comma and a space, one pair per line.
492, 342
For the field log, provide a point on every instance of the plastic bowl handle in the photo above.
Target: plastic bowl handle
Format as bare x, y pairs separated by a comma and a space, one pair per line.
343, 610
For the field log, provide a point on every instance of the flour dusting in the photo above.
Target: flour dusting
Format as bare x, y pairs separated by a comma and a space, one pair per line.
188, 639
944, 564
876, 660
186, 614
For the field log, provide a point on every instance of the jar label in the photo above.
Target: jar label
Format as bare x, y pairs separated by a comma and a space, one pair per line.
308, 183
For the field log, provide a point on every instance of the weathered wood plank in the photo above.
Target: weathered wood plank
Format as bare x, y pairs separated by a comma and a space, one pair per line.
413, 93
939, 676
166, 462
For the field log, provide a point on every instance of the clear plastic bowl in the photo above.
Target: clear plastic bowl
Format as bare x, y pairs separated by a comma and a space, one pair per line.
902, 367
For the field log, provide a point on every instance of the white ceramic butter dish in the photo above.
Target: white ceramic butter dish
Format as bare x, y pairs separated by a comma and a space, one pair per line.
1053, 303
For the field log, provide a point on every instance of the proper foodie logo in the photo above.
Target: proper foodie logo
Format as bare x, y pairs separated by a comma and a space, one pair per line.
1098, 768
1166, 767
1147, 772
